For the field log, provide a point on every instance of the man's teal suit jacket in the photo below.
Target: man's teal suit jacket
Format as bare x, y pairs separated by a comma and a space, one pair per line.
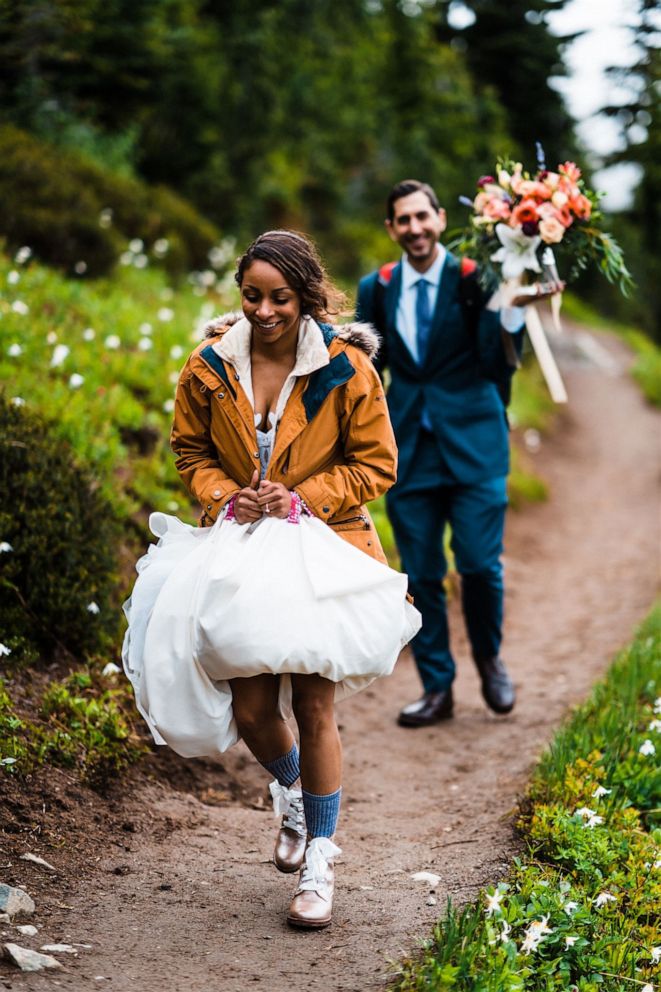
458, 382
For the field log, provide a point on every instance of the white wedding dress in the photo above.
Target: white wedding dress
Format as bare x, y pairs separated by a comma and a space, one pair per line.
236, 600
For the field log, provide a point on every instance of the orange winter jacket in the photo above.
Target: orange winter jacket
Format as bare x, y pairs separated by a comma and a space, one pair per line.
334, 443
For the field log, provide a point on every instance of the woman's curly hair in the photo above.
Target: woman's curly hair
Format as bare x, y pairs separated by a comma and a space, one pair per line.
297, 258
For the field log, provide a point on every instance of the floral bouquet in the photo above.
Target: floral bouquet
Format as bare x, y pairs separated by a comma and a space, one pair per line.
519, 219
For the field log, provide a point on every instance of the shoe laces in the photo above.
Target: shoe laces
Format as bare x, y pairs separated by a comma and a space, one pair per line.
316, 871
288, 803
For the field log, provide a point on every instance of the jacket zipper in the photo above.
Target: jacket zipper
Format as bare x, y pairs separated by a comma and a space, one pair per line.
352, 520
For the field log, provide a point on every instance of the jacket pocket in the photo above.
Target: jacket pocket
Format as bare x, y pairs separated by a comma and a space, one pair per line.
358, 522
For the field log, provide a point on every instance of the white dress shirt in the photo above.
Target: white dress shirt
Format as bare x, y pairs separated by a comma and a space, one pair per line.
511, 318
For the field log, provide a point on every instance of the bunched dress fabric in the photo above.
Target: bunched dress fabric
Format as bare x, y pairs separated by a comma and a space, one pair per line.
234, 601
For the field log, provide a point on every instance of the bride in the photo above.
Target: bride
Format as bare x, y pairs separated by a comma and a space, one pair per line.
282, 600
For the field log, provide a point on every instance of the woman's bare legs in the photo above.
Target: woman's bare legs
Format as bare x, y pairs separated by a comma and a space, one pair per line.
255, 705
321, 750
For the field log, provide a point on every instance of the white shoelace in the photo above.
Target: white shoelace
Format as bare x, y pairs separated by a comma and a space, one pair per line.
316, 875
289, 804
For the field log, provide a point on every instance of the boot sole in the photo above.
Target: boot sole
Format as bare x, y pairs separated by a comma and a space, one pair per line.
288, 870
308, 924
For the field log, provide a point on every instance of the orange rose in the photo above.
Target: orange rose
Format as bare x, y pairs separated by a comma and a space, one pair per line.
571, 170
581, 206
497, 209
531, 188
525, 212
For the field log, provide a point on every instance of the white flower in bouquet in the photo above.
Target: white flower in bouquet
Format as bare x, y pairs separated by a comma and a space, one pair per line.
518, 251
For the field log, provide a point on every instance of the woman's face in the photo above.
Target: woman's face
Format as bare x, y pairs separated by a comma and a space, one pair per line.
269, 302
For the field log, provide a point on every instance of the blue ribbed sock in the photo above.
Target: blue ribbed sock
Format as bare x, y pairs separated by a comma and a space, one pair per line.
286, 768
321, 813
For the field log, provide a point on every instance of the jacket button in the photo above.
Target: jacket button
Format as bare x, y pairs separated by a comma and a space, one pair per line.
325, 509
255, 454
369, 544
209, 507
237, 377
216, 494
221, 396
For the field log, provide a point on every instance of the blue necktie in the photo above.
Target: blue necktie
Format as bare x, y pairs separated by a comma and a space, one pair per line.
423, 318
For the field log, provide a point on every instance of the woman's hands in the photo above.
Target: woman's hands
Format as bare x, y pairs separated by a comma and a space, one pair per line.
261, 498
274, 499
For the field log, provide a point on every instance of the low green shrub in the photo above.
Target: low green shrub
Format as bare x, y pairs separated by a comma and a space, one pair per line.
76, 216
580, 910
59, 539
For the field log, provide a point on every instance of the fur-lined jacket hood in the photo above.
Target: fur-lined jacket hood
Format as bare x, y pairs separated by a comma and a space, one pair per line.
357, 333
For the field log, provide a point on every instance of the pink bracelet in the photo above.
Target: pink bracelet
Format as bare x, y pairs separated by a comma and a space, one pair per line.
229, 515
297, 507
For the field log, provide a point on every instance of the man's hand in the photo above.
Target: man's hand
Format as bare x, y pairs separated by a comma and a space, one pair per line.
273, 498
533, 294
246, 504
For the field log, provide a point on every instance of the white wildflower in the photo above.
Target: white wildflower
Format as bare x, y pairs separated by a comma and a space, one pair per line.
105, 217
174, 378
5, 546
144, 344
14, 350
601, 791
13, 277
655, 955
126, 258
585, 812
89, 334
113, 342
110, 669
22, 255
8, 761
569, 907
505, 935
60, 352
160, 247
18, 306
493, 903
93, 607
17, 401
141, 261
207, 278
76, 380
136, 245
176, 351
570, 941
594, 821
145, 328
603, 898
655, 726
80, 268
534, 935
168, 406
4, 650
51, 337
165, 314
657, 704
647, 988
173, 505
647, 748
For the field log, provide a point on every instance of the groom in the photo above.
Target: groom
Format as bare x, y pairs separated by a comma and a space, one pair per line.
451, 355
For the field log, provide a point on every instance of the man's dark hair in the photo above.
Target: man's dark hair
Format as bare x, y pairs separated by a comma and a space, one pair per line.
405, 188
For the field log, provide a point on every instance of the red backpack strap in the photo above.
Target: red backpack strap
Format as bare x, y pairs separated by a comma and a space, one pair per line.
385, 273
468, 266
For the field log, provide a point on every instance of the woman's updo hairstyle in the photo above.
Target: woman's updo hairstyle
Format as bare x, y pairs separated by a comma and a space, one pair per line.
297, 258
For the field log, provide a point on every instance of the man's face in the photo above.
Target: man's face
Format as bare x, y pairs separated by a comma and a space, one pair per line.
416, 227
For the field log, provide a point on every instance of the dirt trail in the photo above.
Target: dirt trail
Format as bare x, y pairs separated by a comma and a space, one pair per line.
200, 908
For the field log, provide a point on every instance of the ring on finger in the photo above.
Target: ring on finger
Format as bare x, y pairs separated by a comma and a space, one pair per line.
267, 508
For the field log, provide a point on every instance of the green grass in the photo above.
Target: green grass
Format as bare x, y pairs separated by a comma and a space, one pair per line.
580, 909
82, 722
646, 369
118, 418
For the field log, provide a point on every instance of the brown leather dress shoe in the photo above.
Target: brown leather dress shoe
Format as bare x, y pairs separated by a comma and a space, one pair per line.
292, 836
429, 709
312, 905
497, 686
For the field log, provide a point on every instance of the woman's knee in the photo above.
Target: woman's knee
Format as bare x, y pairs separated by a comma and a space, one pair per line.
313, 713
251, 719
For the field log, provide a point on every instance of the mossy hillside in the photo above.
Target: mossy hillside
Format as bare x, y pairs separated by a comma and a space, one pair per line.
580, 909
100, 361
